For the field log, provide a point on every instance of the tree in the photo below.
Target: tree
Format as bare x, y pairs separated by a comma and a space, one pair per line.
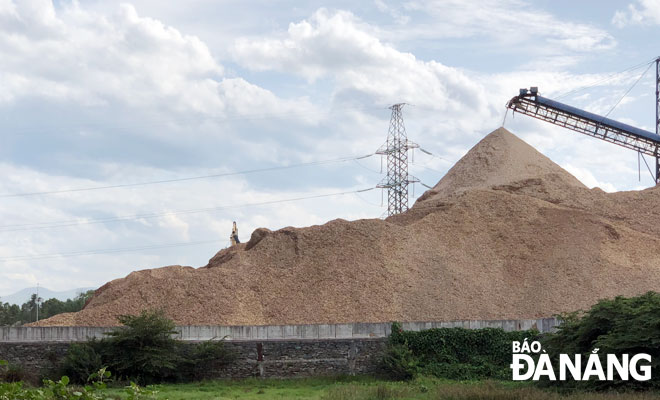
33, 305
144, 349
613, 326
11, 314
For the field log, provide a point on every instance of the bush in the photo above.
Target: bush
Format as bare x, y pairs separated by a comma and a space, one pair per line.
10, 372
453, 353
616, 326
144, 350
15, 391
60, 390
82, 360
14, 373
400, 362
200, 360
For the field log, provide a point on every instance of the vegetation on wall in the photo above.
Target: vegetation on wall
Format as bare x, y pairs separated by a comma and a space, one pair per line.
452, 353
614, 326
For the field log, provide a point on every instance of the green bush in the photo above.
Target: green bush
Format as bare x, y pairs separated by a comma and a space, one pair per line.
143, 349
82, 360
10, 372
14, 373
60, 389
615, 326
400, 362
198, 361
453, 353
15, 391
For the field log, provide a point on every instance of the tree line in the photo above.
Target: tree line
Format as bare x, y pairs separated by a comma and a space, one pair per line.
13, 314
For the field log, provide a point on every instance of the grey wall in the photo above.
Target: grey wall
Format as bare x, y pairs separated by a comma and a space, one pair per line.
279, 358
273, 332
265, 351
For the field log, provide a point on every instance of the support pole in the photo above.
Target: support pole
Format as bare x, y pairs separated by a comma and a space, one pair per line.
657, 117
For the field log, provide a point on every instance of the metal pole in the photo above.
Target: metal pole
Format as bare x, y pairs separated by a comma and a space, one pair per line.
657, 117
37, 302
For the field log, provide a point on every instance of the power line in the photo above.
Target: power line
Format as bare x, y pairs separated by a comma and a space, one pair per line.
104, 251
603, 80
200, 119
147, 247
61, 224
124, 185
629, 89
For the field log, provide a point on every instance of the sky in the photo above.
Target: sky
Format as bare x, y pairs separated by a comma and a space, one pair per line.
108, 93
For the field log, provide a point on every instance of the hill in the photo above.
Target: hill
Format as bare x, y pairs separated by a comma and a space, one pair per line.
24, 295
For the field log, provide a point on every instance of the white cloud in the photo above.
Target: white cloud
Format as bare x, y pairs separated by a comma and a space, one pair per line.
89, 58
585, 176
645, 12
340, 46
512, 22
92, 59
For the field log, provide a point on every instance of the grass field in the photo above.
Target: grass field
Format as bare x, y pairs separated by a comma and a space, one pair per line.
369, 388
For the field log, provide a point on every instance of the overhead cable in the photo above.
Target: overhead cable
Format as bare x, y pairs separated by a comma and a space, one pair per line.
605, 79
629, 89
146, 247
60, 224
219, 175
104, 251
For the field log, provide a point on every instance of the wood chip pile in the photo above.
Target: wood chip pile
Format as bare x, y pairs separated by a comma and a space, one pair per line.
506, 233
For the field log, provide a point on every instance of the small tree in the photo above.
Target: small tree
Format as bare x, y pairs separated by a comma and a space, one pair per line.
143, 349
613, 326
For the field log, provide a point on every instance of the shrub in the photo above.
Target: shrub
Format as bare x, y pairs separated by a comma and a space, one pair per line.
453, 353
15, 391
400, 362
200, 360
143, 349
82, 360
10, 372
14, 373
615, 326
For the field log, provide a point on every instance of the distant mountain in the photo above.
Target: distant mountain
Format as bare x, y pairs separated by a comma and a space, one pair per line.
24, 295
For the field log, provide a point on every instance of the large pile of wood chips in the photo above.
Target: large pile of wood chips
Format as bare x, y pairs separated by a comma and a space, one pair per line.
506, 233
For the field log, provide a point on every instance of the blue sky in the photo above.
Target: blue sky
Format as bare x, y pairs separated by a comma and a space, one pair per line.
100, 93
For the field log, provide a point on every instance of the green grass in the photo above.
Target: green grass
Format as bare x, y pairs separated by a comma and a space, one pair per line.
365, 388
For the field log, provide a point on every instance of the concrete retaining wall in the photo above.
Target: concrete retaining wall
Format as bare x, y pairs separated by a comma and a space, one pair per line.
264, 351
274, 332
275, 358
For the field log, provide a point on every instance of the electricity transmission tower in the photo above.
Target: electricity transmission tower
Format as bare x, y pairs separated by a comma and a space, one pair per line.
396, 149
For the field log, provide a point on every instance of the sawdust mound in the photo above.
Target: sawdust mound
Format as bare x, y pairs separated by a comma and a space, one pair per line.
502, 159
505, 234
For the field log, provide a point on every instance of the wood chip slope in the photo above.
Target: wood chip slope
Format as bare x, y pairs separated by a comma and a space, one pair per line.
506, 233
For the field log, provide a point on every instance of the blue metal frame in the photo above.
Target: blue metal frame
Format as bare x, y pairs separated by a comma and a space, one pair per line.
599, 119
609, 130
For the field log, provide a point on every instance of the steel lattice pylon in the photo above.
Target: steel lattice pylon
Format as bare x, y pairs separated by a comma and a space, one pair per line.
396, 149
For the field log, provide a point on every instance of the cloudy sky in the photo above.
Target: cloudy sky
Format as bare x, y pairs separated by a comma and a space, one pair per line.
108, 93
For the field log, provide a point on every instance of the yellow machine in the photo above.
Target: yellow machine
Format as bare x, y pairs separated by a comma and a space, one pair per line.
234, 235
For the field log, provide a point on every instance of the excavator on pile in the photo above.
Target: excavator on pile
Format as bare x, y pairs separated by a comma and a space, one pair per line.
234, 235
